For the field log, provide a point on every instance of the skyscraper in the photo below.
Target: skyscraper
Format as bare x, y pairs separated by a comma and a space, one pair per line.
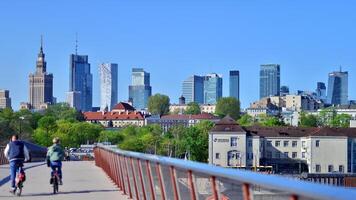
212, 88
235, 84
40, 83
338, 88
80, 82
284, 90
140, 89
321, 91
108, 85
5, 100
270, 80
193, 89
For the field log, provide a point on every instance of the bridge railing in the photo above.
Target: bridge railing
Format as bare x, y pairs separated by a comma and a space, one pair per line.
3, 159
143, 176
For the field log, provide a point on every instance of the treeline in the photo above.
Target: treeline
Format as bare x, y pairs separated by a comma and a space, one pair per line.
58, 120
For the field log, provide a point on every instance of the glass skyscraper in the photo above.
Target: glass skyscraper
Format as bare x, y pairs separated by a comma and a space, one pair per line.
235, 84
193, 89
212, 88
81, 81
270, 80
338, 88
108, 85
321, 91
140, 89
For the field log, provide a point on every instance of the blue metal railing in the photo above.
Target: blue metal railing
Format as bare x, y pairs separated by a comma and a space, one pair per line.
144, 176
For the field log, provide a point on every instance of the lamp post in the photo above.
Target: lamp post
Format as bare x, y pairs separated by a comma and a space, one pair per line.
21, 119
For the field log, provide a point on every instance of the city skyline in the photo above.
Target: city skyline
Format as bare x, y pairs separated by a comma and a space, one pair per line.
301, 47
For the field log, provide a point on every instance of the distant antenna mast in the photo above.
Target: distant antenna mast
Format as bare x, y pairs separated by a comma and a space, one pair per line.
340, 68
41, 42
76, 43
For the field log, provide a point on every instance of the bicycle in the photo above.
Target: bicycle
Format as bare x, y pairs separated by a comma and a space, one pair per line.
20, 179
55, 181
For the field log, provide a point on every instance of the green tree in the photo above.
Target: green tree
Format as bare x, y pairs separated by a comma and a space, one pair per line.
246, 120
114, 137
228, 106
341, 121
158, 104
308, 120
193, 108
270, 121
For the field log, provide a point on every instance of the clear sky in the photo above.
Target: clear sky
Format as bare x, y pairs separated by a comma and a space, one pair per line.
175, 39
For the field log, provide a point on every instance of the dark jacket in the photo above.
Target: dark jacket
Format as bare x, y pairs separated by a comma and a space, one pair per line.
16, 150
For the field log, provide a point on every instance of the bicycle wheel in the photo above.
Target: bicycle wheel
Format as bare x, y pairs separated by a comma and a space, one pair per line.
55, 185
19, 189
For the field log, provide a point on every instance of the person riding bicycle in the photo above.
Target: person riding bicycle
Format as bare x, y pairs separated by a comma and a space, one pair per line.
55, 155
17, 153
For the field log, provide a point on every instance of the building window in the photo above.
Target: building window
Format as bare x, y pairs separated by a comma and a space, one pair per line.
277, 143
217, 155
330, 168
341, 168
233, 141
317, 168
303, 154
285, 143
278, 155
303, 144
294, 154
317, 143
294, 143
250, 143
269, 143
285, 154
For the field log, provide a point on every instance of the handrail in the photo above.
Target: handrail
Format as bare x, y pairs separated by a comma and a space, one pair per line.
3, 159
248, 179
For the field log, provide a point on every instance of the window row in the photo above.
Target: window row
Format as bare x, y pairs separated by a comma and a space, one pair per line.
330, 168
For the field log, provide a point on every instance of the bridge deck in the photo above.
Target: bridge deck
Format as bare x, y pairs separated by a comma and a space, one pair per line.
82, 180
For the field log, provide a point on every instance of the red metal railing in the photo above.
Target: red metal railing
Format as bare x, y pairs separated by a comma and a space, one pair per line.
142, 176
3, 159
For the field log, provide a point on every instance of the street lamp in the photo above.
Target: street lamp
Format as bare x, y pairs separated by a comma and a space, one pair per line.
21, 119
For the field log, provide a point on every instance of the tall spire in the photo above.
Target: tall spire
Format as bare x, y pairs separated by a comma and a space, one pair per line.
76, 43
41, 63
41, 49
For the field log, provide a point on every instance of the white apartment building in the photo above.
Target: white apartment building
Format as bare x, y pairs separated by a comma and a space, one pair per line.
180, 108
285, 149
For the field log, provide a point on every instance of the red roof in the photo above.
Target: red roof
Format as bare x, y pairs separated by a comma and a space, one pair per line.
123, 106
187, 117
113, 116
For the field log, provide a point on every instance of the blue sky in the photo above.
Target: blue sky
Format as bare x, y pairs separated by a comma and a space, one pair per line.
174, 39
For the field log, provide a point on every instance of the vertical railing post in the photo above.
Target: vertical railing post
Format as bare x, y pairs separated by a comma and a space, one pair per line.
141, 179
134, 178
160, 180
150, 179
127, 177
246, 191
213, 187
191, 185
174, 182
122, 174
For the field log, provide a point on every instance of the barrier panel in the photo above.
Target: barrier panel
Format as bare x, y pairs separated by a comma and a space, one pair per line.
151, 177
3, 159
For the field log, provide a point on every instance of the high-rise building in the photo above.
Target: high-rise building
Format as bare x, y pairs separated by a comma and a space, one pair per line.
5, 100
284, 90
108, 85
212, 88
321, 91
270, 80
140, 89
80, 82
338, 88
73, 99
235, 84
193, 89
40, 84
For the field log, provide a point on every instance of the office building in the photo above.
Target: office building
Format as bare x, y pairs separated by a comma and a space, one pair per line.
140, 89
338, 88
5, 100
108, 85
234, 84
193, 89
270, 80
212, 88
80, 82
321, 91
284, 90
40, 84
73, 99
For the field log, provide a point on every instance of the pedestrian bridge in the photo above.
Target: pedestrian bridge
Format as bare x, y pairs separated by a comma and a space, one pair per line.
118, 174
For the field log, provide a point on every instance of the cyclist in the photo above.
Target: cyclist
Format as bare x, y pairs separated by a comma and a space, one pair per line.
16, 152
55, 155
